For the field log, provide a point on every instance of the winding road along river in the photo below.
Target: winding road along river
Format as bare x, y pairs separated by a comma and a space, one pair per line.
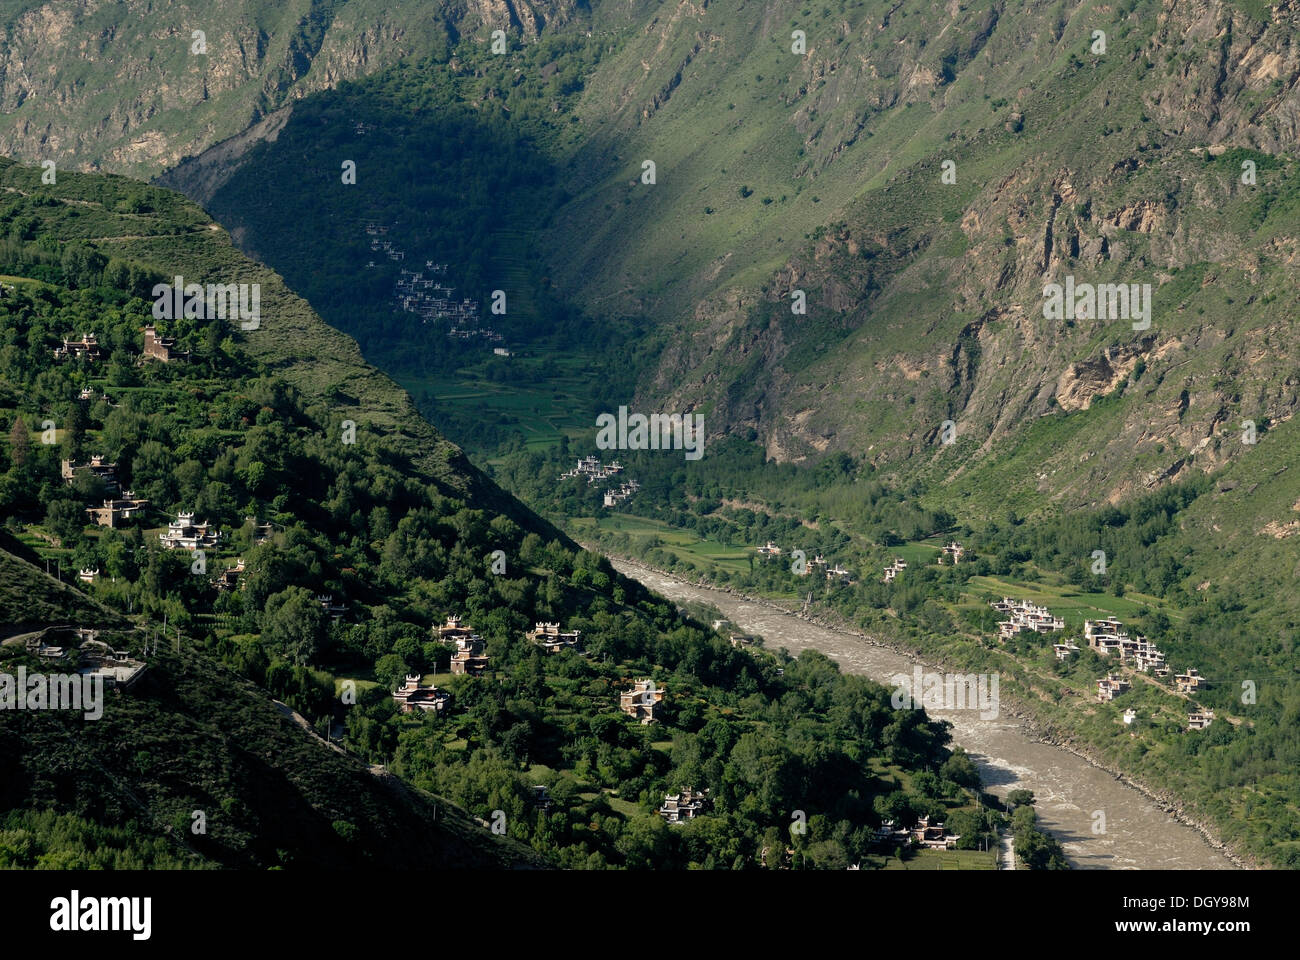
1068, 789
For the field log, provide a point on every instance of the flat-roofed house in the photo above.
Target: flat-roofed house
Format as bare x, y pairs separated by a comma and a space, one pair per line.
1111, 687
184, 534
933, 835
410, 696
680, 807
1065, 650
642, 701
161, 348
1027, 617
118, 509
98, 467
87, 348
228, 579
468, 658
454, 628
118, 670
552, 639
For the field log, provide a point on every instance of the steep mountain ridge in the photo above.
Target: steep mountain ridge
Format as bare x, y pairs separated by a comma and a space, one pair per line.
1110, 167
122, 87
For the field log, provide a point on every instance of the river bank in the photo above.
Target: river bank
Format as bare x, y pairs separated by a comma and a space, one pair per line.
1070, 799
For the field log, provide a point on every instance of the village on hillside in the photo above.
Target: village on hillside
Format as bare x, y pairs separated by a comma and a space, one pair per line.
431, 298
1107, 638
595, 472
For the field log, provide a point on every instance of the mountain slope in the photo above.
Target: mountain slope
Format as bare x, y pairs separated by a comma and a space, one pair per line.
118, 86
193, 736
826, 173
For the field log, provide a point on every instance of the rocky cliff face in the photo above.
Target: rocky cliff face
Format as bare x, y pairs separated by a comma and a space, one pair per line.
127, 87
1163, 162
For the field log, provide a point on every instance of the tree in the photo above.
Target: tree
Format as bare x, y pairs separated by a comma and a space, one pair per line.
960, 770
1017, 798
65, 519
20, 443
294, 623
390, 670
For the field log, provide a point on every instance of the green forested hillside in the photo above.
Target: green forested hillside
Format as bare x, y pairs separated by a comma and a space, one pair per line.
1203, 567
360, 530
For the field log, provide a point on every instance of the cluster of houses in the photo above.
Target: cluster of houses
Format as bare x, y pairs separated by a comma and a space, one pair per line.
124, 506
1025, 616
552, 639
594, 470
834, 572
430, 298
687, 805
616, 495
931, 836
642, 702
897, 566
88, 348
1108, 636
375, 231
1197, 719
953, 551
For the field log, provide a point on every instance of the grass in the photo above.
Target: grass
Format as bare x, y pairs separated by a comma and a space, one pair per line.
683, 544
1069, 602
544, 412
942, 860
